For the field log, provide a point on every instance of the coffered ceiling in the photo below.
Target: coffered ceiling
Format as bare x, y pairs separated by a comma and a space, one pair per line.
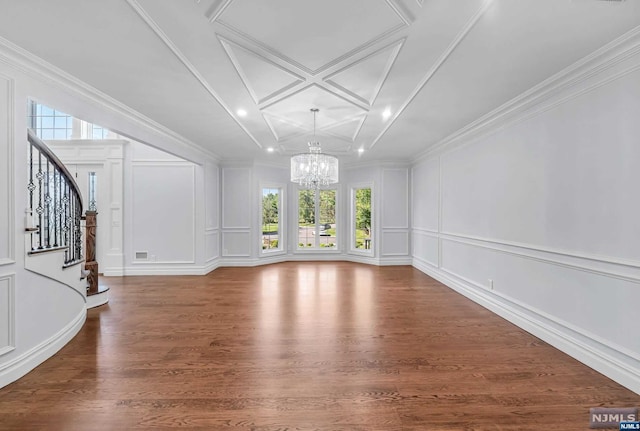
392, 78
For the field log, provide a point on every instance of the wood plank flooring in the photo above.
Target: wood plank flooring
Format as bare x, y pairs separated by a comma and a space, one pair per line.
303, 346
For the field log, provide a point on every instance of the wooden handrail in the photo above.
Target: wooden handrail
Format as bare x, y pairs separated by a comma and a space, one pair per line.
42, 147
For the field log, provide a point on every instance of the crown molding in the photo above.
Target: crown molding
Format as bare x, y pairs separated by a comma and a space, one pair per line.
524, 106
35, 67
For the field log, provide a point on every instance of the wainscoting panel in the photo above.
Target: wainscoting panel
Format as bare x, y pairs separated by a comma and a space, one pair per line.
236, 244
425, 246
236, 198
7, 183
395, 243
426, 184
573, 296
395, 195
164, 208
212, 193
212, 245
7, 313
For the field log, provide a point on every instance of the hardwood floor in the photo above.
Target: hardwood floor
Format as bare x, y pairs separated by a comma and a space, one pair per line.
303, 346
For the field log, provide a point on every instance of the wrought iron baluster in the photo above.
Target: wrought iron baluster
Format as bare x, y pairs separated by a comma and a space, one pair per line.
78, 218
47, 207
59, 203
55, 208
40, 208
67, 221
31, 187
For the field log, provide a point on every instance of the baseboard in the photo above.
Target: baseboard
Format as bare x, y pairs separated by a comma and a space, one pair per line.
615, 364
170, 269
263, 260
18, 367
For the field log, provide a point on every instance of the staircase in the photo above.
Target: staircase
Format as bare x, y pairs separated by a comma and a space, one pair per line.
54, 223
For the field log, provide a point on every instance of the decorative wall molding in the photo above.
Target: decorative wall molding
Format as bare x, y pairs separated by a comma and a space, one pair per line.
420, 247
212, 197
613, 361
8, 314
227, 233
242, 172
211, 255
21, 365
532, 102
577, 261
402, 250
8, 256
132, 198
33, 66
428, 232
406, 188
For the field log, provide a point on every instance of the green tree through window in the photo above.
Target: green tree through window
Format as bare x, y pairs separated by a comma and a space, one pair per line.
362, 216
317, 219
271, 219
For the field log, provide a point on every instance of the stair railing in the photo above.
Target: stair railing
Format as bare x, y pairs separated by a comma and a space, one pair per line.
55, 203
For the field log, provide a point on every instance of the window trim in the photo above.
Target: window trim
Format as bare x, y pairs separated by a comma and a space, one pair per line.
316, 248
281, 219
352, 220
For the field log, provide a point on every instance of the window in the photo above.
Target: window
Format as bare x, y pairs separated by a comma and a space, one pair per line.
49, 123
361, 222
271, 220
98, 132
317, 219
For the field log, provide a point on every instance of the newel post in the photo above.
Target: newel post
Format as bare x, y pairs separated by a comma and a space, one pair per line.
91, 265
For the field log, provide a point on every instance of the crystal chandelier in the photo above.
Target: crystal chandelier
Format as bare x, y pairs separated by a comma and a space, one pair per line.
314, 169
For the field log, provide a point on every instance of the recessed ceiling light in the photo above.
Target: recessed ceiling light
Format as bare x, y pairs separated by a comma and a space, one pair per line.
241, 113
386, 114
270, 150
360, 150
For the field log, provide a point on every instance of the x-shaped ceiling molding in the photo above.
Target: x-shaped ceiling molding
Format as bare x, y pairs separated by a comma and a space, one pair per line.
340, 74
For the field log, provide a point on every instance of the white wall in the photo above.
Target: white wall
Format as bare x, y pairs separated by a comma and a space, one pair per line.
390, 213
212, 214
165, 217
394, 211
37, 315
107, 158
539, 219
238, 207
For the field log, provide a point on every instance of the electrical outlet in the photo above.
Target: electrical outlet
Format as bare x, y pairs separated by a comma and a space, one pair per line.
490, 284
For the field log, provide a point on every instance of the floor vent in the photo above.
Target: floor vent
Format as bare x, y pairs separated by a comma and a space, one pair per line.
142, 255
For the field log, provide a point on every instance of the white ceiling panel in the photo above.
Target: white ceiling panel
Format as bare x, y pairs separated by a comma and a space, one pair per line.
238, 76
